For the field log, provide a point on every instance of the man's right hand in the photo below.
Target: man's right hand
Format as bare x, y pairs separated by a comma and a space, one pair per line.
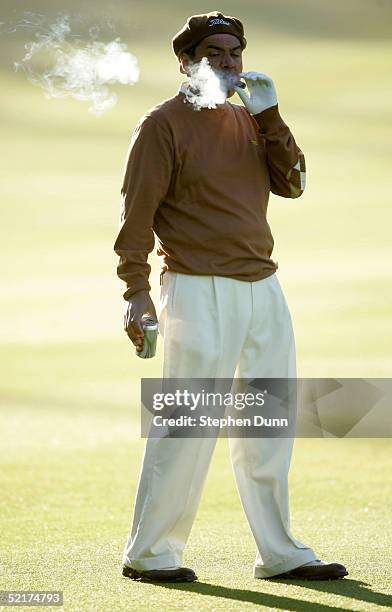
139, 304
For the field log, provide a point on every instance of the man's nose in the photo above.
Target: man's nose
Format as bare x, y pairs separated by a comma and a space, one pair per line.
228, 61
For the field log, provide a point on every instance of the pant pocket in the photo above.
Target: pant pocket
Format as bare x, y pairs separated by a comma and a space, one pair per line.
166, 299
173, 282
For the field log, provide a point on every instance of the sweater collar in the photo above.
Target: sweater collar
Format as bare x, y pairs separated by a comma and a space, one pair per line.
184, 87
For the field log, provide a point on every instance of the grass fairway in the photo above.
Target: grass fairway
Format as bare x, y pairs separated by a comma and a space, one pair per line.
68, 480
70, 448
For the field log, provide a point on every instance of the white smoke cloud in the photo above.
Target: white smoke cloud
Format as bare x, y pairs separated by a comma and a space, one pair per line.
64, 64
208, 87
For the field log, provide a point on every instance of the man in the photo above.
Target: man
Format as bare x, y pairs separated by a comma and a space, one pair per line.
201, 180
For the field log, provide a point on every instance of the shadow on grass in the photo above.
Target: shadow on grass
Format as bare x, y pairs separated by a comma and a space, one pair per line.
353, 589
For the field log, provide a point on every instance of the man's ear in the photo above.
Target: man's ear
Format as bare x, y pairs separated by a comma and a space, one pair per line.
184, 60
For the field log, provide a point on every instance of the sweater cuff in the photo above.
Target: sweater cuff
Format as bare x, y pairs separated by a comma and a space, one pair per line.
134, 289
269, 120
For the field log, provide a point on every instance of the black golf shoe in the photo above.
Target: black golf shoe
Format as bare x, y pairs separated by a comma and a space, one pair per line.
316, 570
181, 574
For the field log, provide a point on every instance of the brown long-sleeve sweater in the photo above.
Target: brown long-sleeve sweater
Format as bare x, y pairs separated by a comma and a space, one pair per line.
201, 181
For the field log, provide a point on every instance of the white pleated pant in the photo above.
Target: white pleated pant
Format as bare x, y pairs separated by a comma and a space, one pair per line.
217, 327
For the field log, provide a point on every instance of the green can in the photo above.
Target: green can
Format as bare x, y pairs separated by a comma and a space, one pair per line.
150, 330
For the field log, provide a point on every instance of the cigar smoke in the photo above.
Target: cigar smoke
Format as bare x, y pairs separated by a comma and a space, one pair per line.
209, 87
64, 63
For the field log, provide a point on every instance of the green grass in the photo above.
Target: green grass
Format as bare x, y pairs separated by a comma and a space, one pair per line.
70, 449
68, 483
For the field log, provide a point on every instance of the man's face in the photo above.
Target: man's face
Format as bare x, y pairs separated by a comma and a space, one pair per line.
224, 55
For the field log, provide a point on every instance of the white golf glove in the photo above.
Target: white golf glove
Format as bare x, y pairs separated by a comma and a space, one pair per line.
261, 89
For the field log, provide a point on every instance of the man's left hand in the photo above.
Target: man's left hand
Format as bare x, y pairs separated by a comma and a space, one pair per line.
261, 89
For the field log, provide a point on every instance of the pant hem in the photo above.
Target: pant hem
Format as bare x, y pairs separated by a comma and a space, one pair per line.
152, 563
303, 556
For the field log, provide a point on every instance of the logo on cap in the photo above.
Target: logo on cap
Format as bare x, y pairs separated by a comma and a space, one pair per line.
218, 22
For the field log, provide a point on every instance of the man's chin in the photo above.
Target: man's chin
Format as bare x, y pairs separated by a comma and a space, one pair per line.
230, 93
